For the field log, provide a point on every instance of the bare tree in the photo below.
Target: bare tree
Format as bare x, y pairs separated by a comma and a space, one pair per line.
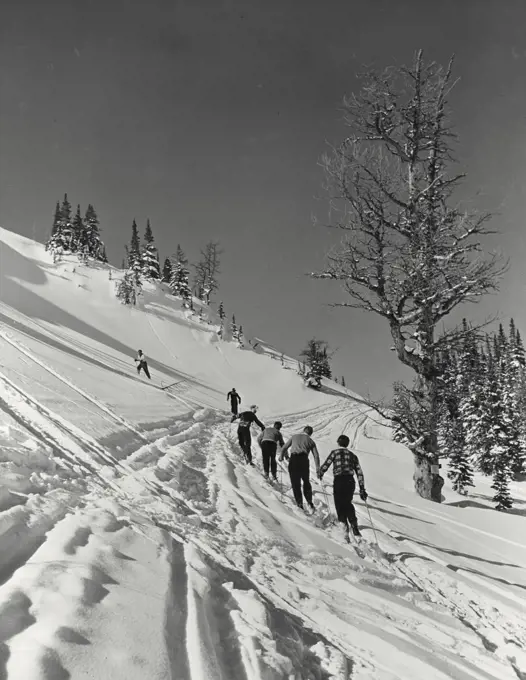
409, 254
207, 271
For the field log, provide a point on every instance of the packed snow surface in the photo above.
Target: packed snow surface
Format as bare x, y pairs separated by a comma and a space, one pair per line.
135, 544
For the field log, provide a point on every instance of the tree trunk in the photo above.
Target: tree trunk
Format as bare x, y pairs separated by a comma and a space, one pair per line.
427, 479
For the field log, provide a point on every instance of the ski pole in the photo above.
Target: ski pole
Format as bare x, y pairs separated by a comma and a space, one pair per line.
372, 525
324, 491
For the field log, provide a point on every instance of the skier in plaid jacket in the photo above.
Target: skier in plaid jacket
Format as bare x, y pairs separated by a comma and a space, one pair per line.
345, 466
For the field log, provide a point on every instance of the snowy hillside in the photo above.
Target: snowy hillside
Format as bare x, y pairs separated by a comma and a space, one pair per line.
134, 544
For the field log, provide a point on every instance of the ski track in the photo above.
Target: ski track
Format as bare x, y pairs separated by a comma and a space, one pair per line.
232, 552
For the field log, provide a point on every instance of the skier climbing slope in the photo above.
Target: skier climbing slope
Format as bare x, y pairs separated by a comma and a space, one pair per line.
300, 446
345, 465
268, 440
243, 431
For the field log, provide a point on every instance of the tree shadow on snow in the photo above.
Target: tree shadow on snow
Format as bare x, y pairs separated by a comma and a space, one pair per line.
396, 514
481, 506
456, 553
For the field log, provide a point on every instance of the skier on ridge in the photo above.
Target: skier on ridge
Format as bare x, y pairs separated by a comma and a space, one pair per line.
235, 399
243, 431
345, 466
300, 446
269, 440
142, 363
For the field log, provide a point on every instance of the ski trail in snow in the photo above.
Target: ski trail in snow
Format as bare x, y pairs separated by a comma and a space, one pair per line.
97, 402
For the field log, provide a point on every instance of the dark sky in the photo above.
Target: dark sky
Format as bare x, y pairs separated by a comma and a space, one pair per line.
209, 118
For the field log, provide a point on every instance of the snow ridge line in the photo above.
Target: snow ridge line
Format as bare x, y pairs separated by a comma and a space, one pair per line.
99, 404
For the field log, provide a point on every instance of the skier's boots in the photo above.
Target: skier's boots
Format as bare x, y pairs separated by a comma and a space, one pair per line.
355, 530
346, 537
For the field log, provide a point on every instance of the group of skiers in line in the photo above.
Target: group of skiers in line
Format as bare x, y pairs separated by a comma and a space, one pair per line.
296, 450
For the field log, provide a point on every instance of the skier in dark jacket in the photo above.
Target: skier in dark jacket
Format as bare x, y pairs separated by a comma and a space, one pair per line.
235, 400
142, 363
300, 446
345, 465
269, 440
243, 431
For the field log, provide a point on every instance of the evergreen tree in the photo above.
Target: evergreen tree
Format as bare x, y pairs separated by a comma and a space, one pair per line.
167, 270
233, 328
134, 255
240, 337
78, 244
317, 360
493, 439
221, 314
513, 418
150, 255
501, 479
343, 381
179, 282
55, 240
62, 232
128, 289
65, 228
460, 469
517, 385
95, 245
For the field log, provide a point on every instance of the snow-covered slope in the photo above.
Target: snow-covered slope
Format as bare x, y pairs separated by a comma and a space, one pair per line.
135, 544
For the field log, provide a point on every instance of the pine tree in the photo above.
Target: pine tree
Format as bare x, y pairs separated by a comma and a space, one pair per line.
179, 282
460, 469
167, 270
150, 255
78, 243
493, 443
134, 255
128, 289
343, 381
517, 387
55, 239
62, 232
501, 479
221, 314
233, 328
95, 245
65, 229
240, 338
317, 360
